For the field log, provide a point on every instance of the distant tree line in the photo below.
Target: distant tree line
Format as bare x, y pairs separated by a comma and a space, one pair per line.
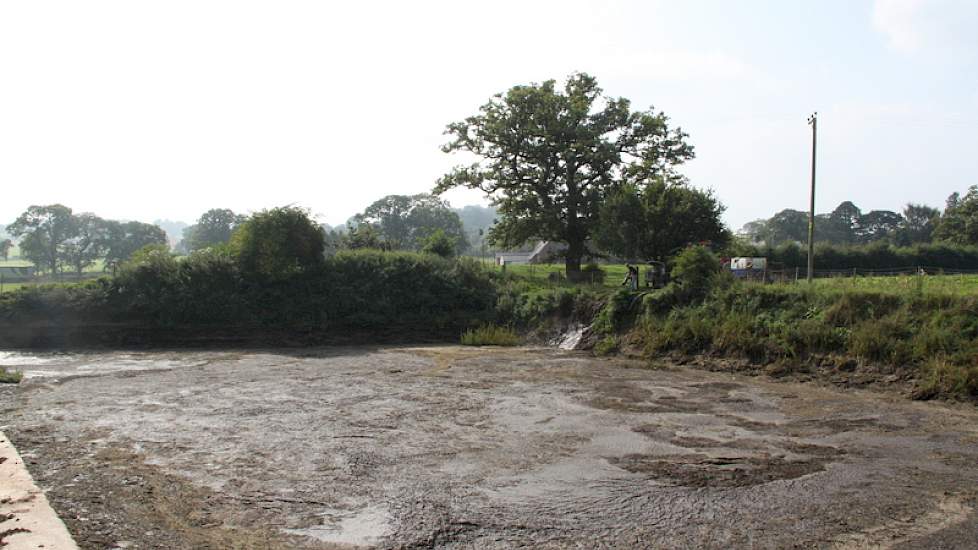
406, 222
879, 255
56, 239
413, 223
847, 224
273, 274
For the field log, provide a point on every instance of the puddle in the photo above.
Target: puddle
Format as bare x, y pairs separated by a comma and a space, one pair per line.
365, 527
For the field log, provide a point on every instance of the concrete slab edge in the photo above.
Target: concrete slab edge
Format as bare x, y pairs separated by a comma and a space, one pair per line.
27, 520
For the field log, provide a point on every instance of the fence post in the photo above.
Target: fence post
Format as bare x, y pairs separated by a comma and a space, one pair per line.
796, 274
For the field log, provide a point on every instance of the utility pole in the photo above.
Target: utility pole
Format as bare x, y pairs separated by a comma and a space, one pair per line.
813, 122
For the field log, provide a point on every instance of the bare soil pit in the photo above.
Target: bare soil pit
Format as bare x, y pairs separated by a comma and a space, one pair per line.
453, 447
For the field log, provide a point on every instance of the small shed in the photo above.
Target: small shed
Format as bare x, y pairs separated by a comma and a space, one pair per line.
510, 258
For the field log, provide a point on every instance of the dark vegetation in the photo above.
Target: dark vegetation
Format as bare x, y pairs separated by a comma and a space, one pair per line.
403, 222
356, 289
273, 277
879, 255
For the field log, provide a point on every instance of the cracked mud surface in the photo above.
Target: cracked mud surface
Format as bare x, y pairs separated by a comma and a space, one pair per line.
476, 448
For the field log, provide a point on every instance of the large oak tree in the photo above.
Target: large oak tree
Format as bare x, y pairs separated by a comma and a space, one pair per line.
548, 157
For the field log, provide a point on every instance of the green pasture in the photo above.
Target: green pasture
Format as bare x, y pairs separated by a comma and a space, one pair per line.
552, 275
967, 284
10, 287
958, 285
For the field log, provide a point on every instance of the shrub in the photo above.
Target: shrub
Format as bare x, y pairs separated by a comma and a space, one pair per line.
278, 243
606, 346
491, 335
694, 270
440, 244
663, 300
616, 313
10, 376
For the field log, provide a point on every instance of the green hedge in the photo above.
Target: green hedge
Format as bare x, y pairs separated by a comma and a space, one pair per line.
871, 256
362, 289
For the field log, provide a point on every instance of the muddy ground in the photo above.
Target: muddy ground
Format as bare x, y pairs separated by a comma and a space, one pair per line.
473, 448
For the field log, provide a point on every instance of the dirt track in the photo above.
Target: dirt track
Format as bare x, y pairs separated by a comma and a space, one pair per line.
467, 448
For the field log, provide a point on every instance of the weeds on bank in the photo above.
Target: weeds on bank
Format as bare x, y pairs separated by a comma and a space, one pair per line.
606, 346
932, 337
938, 377
10, 376
491, 335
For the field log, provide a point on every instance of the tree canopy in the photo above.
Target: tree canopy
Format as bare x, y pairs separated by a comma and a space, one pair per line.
214, 227
405, 222
658, 220
959, 224
439, 243
277, 243
5, 246
847, 224
548, 157
125, 238
43, 232
53, 237
88, 242
919, 222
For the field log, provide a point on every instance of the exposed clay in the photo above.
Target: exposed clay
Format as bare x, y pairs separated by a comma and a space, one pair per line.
478, 448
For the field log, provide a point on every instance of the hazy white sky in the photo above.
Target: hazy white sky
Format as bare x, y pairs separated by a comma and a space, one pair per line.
146, 110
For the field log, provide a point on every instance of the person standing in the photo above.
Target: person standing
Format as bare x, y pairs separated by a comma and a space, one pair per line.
631, 279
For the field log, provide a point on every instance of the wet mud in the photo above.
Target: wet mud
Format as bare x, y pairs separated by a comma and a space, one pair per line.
447, 447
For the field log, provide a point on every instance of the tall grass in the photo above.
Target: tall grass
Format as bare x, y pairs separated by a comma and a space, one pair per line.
10, 376
931, 336
491, 335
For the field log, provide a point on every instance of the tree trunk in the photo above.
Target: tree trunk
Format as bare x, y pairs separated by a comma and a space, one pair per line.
572, 262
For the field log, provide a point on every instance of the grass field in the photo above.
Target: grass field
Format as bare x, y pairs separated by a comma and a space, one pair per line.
541, 274
10, 287
959, 285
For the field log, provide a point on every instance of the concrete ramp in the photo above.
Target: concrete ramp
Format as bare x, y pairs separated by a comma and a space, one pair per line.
27, 520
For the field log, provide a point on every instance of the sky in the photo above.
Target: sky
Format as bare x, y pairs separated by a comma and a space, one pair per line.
162, 110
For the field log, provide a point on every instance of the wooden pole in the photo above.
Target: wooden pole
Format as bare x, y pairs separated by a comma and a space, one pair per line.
813, 121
